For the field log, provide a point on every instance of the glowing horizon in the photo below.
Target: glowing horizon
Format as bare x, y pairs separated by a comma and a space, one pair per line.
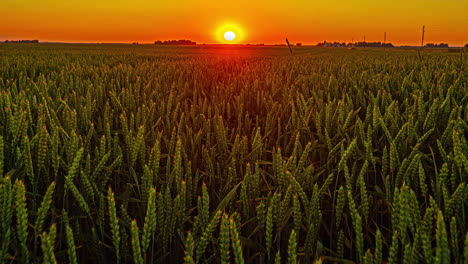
267, 22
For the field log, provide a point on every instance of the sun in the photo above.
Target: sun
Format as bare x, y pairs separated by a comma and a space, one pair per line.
229, 36
229, 33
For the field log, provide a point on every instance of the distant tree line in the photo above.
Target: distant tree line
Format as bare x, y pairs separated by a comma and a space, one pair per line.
432, 45
356, 44
22, 41
259, 44
175, 42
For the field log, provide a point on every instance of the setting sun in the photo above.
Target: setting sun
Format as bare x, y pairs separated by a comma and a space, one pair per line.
230, 33
229, 36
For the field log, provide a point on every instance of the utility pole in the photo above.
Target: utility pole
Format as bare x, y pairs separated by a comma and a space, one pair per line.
422, 39
385, 37
289, 46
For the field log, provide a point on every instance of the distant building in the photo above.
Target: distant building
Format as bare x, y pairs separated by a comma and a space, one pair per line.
387, 45
440, 45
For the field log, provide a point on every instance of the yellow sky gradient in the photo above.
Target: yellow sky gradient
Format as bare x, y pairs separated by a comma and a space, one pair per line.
262, 21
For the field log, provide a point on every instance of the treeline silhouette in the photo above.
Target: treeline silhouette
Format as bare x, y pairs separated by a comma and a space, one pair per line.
175, 42
22, 41
432, 45
355, 44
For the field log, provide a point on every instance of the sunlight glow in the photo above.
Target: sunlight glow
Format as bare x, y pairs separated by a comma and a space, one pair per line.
230, 33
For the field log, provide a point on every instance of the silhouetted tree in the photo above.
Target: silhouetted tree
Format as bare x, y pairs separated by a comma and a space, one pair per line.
358, 44
175, 42
440, 45
22, 41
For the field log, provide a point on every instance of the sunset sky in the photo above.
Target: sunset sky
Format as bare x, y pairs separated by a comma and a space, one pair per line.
258, 21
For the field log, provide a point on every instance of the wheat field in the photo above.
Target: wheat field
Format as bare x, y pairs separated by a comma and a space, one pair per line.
144, 154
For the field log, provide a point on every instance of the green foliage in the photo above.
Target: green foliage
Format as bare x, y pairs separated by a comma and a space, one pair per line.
236, 243
71, 245
189, 249
378, 247
136, 248
21, 219
150, 220
357, 224
114, 222
45, 206
48, 245
206, 234
292, 247
2, 155
224, 239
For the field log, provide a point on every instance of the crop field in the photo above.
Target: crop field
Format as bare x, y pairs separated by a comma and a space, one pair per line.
147, 154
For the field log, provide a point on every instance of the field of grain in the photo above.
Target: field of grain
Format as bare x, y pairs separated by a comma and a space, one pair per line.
145, 154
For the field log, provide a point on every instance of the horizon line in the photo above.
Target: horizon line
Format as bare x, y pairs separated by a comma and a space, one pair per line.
218, 44
459, 43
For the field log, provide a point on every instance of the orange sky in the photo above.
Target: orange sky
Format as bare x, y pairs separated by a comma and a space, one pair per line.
260, 21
